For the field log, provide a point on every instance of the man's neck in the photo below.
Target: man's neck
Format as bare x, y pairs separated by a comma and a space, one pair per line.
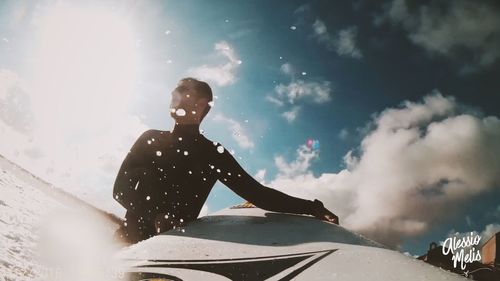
183, 129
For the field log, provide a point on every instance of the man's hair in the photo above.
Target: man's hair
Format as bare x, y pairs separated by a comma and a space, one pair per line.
199, 88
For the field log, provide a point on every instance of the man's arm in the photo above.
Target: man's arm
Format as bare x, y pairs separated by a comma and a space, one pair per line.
237, 179
126, 189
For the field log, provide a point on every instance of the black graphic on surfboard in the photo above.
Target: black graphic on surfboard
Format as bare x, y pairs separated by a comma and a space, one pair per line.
254, 268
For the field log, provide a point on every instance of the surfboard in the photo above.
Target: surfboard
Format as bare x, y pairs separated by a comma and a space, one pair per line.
253, 244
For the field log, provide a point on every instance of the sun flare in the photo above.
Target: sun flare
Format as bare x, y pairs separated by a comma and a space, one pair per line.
85, 66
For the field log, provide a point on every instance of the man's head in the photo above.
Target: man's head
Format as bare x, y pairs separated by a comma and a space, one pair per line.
191, 101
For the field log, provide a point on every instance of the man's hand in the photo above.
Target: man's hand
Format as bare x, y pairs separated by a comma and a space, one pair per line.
323, 213
161, 223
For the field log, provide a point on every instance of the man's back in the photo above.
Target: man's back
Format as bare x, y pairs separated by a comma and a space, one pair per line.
168, 173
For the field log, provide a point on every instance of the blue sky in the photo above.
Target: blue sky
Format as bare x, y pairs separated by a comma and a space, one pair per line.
402, 95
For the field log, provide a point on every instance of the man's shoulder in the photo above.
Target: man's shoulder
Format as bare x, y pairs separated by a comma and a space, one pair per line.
209, 142
217, 149
154, 132
153, 136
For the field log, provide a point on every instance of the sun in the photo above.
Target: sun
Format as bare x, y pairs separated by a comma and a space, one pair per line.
85, 65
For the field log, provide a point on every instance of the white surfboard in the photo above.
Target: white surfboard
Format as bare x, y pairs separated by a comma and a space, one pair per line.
253, 244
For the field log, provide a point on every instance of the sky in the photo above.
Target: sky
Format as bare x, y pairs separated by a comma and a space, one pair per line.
400, 97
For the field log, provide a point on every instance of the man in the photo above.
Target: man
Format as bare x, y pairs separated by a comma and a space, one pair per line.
167, 176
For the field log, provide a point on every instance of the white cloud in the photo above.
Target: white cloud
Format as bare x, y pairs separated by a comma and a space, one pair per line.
8, 80
344, 134
222, 74
485, 234
450, 28
204, 211
287, 68
321, 31
15, 105
291, 115
296, 91
238, 132
299, 166
344, 42
489, 231
318, 92
274, 100
260, 176
468, 220
417, 163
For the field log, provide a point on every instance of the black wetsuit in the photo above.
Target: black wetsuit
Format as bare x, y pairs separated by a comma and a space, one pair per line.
172, 173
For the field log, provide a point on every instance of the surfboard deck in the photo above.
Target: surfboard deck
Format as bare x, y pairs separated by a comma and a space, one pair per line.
253, 244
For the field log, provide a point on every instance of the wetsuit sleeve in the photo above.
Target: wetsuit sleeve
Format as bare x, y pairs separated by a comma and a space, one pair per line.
237, 179
126, 188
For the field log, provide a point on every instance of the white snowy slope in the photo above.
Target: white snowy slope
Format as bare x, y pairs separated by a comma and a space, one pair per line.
253, 244
35, 221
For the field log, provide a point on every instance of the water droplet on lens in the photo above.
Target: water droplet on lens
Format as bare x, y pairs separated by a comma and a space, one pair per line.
180, 112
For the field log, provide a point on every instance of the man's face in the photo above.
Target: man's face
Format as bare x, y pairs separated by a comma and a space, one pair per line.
186, 108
